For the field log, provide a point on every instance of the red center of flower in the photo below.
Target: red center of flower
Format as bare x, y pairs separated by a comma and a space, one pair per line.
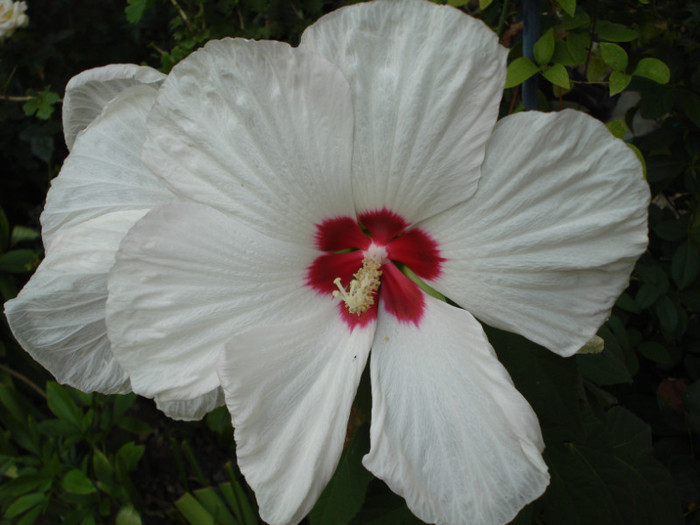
346, 242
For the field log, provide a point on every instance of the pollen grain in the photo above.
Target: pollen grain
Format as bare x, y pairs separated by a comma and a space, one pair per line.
360, 293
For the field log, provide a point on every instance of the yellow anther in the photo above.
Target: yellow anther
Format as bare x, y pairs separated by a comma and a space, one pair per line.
359, 295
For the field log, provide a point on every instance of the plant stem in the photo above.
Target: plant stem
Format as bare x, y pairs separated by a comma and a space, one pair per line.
502, 18
24, 379
23, 98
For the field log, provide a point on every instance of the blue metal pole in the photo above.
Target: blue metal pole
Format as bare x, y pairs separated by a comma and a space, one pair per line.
531, 32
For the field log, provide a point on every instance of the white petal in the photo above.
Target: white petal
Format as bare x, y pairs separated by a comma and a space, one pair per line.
59, 316
187, 278
450, 433
257, 129
191, 409
548, 242
90, 91
289, 389
426, 83
104, 172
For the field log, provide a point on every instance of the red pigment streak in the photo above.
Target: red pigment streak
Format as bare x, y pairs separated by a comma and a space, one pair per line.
415, 248
340, 233
325, 268
401, 296
383, 225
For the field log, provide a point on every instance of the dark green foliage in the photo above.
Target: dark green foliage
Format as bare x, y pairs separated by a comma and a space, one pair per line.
345, 494
66, 464
599, 453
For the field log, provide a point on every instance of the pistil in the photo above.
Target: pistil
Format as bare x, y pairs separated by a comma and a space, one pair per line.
359, 294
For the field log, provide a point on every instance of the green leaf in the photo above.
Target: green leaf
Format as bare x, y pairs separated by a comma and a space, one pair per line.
691, 300
519, 70
134, 425
41, 104
657, 101
610, 367
82, 515
615, 32
77, 482
23, 234
617, 127
608, 474
383, 507
237, 499
581, 19
59, 427
595, 345
61, 404
122, 404
219, 421
558, 75
46, 107
669, 230
685, 265
656, 352
626, 302
614, 56
193, 511
618, 82
569, 6
344, 495
654, 275
135, 9
102, 467
82, 398
457, 3
25, 503
127, 457
30, 517
663, 168
653, 69
628, 430
667, 313
29, 438
128, 515
214, 505
546, 380
10, 405
597, 69
24, 483
192, 460
544, 48
578, 43
4, 232
561, 54
227, 492
690, 102
18, 261
483, 4
640, 158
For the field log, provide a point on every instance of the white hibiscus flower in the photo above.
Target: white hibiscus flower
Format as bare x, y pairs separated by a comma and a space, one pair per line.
243, 228
12, 17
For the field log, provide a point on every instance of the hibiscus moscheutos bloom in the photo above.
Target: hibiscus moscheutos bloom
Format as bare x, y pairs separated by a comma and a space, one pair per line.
11, 17
253, 229
102, 190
